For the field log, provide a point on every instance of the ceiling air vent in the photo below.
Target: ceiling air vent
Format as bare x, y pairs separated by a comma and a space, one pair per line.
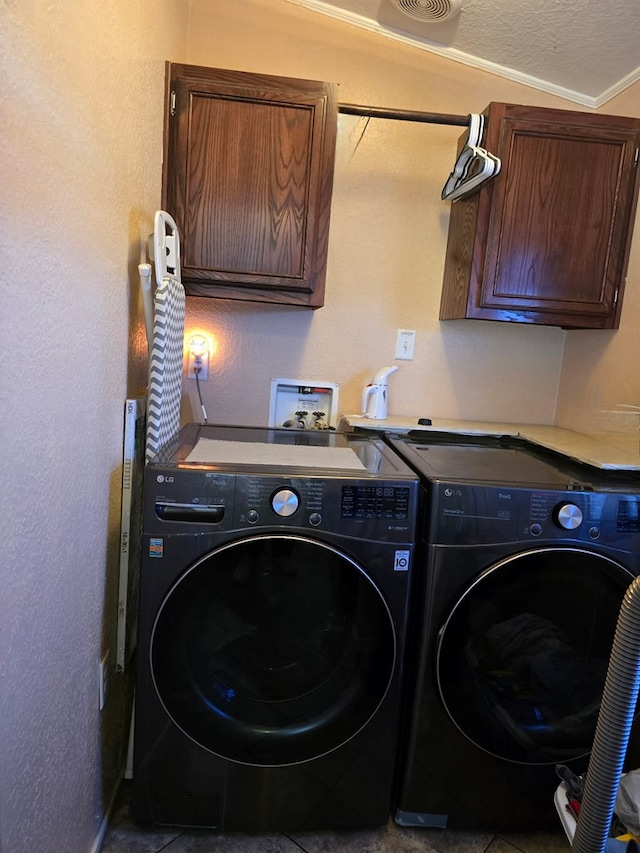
430, 11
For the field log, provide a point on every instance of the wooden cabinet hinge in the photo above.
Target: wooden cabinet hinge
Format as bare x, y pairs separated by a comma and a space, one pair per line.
635, 159
172, 106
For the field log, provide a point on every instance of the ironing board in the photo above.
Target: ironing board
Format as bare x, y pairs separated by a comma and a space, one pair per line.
166, 348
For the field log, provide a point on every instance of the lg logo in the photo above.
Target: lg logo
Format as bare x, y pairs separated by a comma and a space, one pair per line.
162, 479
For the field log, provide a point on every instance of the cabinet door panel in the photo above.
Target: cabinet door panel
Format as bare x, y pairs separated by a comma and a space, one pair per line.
557, 242
247, 187
248, 181
547, 240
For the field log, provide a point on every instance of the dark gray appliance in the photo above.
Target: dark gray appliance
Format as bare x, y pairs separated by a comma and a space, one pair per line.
273, 601
525, 560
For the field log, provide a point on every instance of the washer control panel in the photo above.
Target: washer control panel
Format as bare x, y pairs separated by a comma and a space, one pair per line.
379, 501
262, 500
220, 501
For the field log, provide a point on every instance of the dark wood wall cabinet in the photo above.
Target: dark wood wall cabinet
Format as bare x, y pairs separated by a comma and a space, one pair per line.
547, 240
247, 175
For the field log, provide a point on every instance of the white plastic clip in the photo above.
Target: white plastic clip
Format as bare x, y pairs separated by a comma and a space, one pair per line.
164, 247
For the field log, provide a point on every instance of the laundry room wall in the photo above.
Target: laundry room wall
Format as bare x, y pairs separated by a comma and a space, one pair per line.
80, 154
387, 239
80, 166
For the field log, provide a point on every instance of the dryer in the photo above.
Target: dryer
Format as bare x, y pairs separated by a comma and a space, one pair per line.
525, 559
273, 603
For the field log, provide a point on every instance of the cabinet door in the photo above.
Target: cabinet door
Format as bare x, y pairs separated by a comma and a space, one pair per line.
547, 241
248, 178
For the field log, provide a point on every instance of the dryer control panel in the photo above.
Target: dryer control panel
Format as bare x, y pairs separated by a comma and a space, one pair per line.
483, 490
486, 514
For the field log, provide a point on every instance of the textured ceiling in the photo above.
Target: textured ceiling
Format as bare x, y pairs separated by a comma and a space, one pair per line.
583, 50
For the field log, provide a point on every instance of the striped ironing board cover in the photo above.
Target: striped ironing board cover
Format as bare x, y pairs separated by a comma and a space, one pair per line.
165, 366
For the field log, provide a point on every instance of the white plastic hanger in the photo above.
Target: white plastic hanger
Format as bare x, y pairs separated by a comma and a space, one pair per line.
474, 165
479, 166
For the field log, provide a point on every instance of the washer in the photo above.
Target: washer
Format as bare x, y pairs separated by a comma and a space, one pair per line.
273, 602
525, 561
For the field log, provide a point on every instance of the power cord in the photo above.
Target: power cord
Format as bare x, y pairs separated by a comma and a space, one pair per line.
196, 370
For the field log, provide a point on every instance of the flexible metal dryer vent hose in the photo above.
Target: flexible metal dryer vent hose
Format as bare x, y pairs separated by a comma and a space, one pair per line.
612, 729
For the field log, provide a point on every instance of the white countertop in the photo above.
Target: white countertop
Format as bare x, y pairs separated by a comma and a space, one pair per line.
576, 445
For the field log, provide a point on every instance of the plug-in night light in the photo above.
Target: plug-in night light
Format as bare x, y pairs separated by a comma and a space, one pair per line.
198, 360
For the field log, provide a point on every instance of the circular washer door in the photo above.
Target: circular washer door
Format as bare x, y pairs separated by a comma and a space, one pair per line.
273, 650
523, 655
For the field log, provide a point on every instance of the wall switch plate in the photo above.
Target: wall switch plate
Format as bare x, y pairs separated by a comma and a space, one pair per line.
103, 680
405, 344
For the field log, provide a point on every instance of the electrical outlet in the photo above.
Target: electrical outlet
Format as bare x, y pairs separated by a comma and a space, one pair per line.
103, 679
198, 361
405, 344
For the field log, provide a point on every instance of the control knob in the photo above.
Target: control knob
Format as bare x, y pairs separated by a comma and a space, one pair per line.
285, 502
568, 516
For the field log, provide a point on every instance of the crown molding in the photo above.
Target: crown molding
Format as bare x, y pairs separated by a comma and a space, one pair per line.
618, 87
592, 102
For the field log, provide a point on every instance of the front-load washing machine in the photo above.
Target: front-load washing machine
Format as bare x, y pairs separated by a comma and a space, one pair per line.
273, 601
525, 560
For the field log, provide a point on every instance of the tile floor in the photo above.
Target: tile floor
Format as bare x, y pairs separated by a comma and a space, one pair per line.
124, 837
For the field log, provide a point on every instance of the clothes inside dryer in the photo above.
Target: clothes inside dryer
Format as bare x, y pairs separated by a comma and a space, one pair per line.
522, 657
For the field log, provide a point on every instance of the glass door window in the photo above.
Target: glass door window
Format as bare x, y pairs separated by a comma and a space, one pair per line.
523, 654
273, 650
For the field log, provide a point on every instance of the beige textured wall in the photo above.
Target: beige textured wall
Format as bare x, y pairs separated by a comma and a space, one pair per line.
387, 239
80, 154
600, 380
80, 176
